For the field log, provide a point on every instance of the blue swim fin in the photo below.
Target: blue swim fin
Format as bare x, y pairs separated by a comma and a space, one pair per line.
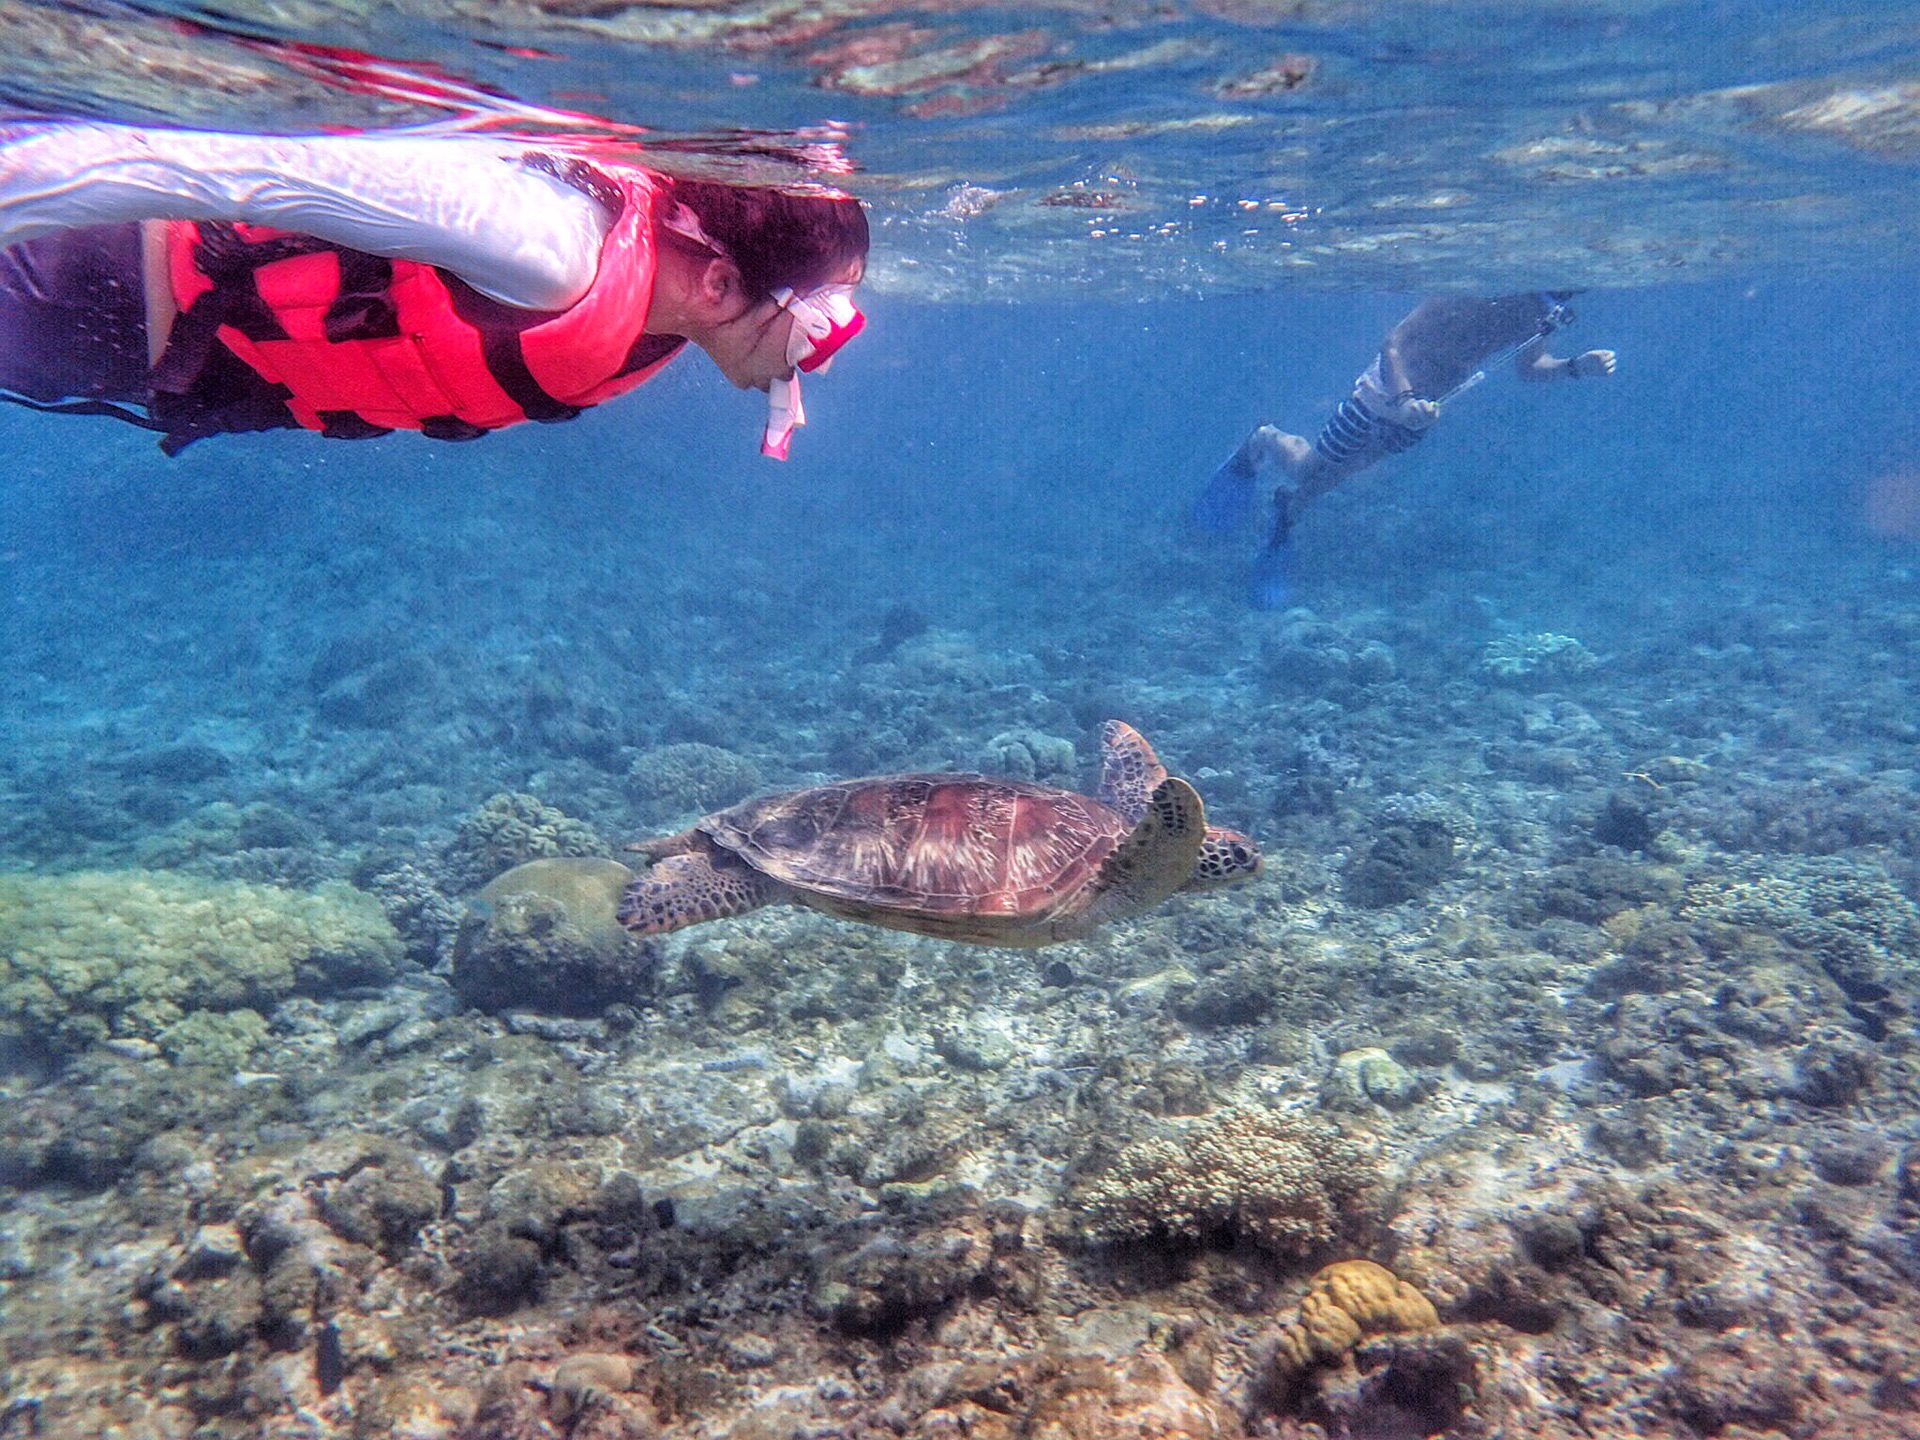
1268, 586
1225, 507
1268, 583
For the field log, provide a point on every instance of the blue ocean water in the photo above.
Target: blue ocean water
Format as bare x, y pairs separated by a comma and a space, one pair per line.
1018, 475
1581, 751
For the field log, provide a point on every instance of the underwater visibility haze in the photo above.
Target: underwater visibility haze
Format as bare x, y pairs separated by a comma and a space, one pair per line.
1557, 1075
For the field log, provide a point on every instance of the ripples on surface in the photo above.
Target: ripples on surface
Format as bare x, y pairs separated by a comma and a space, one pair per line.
1140, 151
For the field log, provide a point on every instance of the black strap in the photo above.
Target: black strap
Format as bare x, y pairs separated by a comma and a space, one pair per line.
85, 407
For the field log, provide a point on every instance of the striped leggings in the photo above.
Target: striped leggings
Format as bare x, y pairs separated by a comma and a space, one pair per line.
1354, 432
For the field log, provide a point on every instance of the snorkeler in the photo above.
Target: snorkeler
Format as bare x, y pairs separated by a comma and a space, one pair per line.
1443, 347
198, 283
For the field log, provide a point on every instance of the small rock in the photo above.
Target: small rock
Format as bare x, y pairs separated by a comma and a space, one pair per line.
581, 1381
214, 1250
1371, 1076
976, 1049
499, 1272
1854, 1157
1550, 1239
748, 1351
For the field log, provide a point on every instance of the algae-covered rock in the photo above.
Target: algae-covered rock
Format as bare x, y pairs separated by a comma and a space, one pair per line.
543, 937
1418, 840
218, 1039
382, 1202
129, 954
1370, 1076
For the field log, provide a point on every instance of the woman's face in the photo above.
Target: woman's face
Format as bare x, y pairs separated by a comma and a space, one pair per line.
751, 349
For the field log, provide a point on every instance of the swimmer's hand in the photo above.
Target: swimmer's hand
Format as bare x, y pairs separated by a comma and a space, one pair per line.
1412, 411
1591, 365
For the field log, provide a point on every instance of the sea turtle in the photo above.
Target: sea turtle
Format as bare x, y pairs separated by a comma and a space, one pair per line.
964, 857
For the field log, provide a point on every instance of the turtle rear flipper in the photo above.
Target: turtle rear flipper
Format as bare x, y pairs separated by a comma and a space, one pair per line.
1155, 860
688, 889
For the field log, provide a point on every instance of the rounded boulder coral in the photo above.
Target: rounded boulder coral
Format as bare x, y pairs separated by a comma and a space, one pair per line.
1345, 1303
543, 937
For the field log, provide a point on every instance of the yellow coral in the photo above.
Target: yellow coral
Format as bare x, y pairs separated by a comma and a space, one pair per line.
1344, 1304
131, 953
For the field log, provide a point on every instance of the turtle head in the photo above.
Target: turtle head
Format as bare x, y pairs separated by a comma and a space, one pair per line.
1226, 858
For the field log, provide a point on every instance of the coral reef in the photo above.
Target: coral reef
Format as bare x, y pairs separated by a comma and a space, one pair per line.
1281, 1182
543, 936
508, 830
1607, 975
130, 954
676, 783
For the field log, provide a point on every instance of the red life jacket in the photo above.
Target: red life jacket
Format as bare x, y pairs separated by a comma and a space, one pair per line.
355, 344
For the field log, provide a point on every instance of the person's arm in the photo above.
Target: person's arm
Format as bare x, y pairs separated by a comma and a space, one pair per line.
1393, 366
1411, 409
467, 204
1534, 363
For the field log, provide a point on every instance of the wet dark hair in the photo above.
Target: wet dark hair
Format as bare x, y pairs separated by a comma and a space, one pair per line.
778, 238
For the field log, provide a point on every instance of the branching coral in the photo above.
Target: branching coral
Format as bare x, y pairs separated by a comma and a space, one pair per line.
673, 782
1283, 1182
1847, 914
1513, 656
509, 830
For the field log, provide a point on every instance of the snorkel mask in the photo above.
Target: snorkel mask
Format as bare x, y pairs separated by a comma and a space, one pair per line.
824, 319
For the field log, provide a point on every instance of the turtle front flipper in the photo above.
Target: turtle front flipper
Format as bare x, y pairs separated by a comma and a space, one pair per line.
1157, 859
1129, 770
688, 889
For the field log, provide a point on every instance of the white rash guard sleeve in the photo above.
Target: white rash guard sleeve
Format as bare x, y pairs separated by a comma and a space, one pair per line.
468, 204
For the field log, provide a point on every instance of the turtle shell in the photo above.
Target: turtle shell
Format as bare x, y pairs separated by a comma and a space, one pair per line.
947, 844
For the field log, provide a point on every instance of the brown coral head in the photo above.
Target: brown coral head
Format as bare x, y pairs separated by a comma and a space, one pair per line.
1345, 1303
